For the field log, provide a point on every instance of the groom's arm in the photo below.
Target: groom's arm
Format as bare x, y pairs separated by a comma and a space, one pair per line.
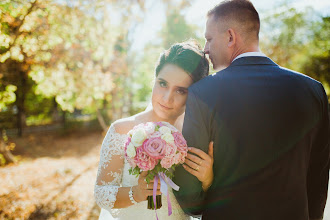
195, 130
318, 172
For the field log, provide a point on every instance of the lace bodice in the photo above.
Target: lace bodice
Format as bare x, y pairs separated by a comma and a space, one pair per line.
113, 173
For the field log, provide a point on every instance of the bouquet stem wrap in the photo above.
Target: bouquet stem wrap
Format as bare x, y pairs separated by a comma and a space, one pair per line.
165, 182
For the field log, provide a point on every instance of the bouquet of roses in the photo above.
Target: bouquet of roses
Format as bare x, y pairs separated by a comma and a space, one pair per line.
156, 147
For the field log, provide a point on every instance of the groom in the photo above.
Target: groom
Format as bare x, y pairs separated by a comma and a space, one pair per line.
270, 128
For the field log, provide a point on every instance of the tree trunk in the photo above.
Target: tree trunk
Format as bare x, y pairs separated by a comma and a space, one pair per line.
56, 117
113, 116
101, 120
5, 151
63, 117
20, 100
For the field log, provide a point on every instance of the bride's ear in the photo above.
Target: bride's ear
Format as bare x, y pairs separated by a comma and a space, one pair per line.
231, 37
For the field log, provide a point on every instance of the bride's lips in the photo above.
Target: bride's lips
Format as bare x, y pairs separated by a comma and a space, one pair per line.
164, 107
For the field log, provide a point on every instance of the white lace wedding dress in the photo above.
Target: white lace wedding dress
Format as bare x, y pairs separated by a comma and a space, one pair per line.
113, 174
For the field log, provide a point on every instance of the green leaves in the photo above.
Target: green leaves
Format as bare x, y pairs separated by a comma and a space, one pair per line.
298, 39
136, 171
8, 96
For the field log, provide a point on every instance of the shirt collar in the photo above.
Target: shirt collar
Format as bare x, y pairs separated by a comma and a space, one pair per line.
250, 54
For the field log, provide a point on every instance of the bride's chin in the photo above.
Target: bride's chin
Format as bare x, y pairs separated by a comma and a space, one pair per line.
162, 116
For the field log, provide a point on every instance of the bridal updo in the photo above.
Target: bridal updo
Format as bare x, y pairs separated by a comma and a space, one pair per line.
188, 56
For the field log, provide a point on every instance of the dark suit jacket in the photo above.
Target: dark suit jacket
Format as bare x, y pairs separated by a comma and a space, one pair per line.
270, 127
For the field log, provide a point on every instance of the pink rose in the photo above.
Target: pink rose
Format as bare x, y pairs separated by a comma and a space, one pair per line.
155, 147
167, 162
131, 162
177, 158
126, 144
155, 134
170, 149
181, 156
159, 123
143, 160
180, 142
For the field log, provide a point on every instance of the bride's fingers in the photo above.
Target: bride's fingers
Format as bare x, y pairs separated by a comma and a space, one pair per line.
143, 174
150, 192
194, 158
210, 152
151, 186
199, 152
192, 165
190, 170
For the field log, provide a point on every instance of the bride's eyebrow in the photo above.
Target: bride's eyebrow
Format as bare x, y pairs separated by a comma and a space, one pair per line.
184, 88
180, 87
161, 79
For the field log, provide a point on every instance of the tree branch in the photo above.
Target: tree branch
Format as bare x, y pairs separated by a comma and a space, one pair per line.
17, 32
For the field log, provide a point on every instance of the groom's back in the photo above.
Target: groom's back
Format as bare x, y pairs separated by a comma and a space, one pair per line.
266, 123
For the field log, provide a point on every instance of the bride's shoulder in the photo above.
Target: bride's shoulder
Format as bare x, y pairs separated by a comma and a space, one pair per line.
124, 125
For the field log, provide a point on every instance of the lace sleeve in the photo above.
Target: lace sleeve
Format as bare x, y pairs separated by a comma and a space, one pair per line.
109, 174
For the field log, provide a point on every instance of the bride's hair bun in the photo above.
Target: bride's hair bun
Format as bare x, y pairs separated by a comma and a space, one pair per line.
187, 55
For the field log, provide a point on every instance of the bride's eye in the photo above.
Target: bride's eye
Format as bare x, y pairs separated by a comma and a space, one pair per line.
162, 84
181, 91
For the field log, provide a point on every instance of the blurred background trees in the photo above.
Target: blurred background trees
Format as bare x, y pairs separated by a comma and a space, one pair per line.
299, 40
68, 61
68, 68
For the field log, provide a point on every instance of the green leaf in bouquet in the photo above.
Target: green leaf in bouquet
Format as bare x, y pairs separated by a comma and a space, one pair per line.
136, 171
148, 179
150, 176
169, 174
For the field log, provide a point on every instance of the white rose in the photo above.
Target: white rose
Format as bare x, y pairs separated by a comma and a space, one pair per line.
150, 128
131, 150
170, 126
168, 137
138, 137
165, 130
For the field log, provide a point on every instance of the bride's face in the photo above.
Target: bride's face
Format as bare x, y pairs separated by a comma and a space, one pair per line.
170, 92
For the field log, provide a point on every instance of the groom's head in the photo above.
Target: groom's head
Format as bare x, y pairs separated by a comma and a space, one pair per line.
232, 28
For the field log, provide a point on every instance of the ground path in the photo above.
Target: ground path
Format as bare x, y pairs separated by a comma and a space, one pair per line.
55, 178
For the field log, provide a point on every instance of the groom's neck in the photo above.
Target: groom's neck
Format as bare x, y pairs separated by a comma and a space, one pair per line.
244, 49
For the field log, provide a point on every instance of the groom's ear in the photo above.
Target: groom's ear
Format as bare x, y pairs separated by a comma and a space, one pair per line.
231, 37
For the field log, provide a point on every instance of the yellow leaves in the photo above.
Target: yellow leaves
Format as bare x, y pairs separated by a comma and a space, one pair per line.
16, 53
37, 74
8, 96
10, 146
4, 57
4, 40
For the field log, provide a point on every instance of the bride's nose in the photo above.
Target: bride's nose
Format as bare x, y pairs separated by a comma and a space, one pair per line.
167, 97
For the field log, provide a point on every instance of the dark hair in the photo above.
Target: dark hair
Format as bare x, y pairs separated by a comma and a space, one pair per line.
241, 11
188, 56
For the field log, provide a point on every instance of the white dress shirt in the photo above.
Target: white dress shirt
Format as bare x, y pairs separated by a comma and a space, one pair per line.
250, 54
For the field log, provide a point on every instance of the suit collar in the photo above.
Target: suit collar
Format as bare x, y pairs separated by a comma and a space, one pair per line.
253, 60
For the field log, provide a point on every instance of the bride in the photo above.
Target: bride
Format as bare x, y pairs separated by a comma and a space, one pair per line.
124, 196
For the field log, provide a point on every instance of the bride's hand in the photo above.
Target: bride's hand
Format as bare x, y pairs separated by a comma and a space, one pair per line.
143, 189
201, 165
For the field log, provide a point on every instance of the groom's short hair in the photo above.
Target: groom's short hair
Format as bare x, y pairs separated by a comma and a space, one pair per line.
241, 12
